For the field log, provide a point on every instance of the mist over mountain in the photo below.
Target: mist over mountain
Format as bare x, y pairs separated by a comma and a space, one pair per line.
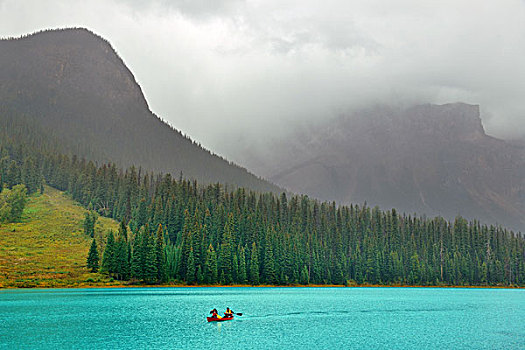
74, 84
432, 159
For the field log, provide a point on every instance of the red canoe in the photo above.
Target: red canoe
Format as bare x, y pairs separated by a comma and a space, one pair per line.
215, 319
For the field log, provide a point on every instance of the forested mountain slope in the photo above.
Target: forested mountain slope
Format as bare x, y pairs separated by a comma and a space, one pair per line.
74, 84
431, 159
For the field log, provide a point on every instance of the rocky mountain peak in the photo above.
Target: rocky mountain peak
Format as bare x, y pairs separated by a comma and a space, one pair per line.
459, 120
433, 159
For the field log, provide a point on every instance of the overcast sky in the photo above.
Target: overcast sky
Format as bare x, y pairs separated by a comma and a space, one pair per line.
222, 71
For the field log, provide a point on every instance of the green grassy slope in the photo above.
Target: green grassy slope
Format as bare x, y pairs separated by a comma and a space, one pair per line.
47, 247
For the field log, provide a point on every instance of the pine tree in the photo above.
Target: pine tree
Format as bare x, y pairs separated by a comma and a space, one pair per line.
161, 256
122, 268
269, 273
210, 266
305, 278
235, 268
89, 223
139, 256
414, 275
172, 257
254, 265
191, 270
13, 176
197, 238
226, 253
157, 212
92, 259
150, 261
242, 276
29, 175
187, 243
173, 220
108, 259
141, 218
123, 231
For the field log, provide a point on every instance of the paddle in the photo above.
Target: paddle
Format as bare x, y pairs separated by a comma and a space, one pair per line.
237, 313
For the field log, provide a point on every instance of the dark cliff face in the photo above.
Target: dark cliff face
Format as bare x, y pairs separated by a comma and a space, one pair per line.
427, 159
74, 84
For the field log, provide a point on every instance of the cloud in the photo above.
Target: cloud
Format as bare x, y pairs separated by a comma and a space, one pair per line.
228, 73
193, 8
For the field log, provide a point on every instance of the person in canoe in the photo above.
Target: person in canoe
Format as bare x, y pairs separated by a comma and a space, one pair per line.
215, 314
228, 312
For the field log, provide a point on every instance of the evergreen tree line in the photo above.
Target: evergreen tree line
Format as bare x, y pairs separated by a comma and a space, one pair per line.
21, 148
142, 259
182, 231
27, 171
212, 235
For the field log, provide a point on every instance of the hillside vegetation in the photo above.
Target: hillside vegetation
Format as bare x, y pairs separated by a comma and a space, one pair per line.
47, 246
184, 232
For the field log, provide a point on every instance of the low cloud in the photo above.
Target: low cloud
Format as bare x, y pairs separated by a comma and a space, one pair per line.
231, 72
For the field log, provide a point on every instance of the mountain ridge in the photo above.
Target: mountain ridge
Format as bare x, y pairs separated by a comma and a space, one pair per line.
74, 83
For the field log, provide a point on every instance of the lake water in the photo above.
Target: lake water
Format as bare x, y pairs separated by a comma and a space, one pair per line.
283, 318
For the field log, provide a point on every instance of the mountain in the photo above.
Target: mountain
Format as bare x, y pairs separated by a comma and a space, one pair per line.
183, 232
432, 159
73, 84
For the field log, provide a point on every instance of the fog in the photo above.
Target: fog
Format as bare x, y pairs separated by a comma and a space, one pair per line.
231, 73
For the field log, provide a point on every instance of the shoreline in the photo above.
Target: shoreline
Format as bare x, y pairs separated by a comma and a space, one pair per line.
82, 286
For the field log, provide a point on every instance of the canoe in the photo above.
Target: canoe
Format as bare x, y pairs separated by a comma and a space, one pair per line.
215, 319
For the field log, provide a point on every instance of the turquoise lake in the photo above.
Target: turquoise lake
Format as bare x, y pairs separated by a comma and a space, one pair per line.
283, 318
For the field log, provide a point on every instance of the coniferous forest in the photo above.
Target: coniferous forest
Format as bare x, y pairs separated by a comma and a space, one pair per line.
176, 230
